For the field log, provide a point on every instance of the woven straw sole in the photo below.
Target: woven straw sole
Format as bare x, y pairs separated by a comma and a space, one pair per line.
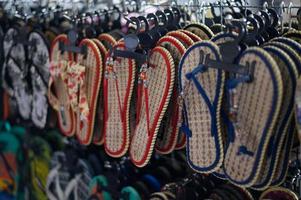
98, 135
168, 141
193, 36
294, 35
288, 193
67, 125
107, 40
200, 30
204, 147
185, 39
258, 105
93, 73
289, 75
117, 124
160, 77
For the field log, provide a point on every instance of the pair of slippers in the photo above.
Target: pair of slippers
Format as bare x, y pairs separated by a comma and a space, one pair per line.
255, 110
25, 73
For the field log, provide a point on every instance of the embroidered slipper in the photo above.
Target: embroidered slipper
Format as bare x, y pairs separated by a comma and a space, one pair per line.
289, 76
154, 92
251, 132
98, 136
182, 37
193, 36
200, 30
84, 82
57, 87
278, 193
39, 62
107, 40
293, 44
202, 92
15, 72
169, 129
118, 89
294, 35
283, 160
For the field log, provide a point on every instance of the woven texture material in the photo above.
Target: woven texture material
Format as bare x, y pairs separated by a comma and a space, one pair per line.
278, 193
160, 76
258, 105
107, 40
92, 63
289, 82
118, 88
200, 30
204, 146
182, 37
193, 36
168, 132
57, 88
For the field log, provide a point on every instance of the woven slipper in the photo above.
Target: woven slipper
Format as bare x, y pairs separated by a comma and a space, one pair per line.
283, 160
278, 193
202, 90
193, 36
85, 90
107, 40
154, 92
98, 136
293, 44
168, 132
38, 58
254, 117
58, 89
15, 72
118, 89
182, 37
289, 76
294, 35
200, 30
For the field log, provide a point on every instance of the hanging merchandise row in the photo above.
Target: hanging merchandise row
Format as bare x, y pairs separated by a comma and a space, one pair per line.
176, 102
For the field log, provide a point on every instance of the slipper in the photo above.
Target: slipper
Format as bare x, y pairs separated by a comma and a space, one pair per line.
201, 30
278, 193
107, 40
289, 76
38, 59
15, 72
193, 36
251, 132
84, 87
283, 160
97, 187
129, 193
98, 136
168, 132
118, 89
182, 37
154, 92
58, 89
294, 35
202, 92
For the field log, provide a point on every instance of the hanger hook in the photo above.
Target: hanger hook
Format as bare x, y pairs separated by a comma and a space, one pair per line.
203, 9
265, 5
282, 10
290, 5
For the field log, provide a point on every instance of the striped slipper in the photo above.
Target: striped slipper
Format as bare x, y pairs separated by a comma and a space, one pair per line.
154, 92
168, 132
98, 136
193, 36
201, 30
202, 91
252, 118
118, 89
57, 86
294, 35
107, 40
182, 37
85, 89
39, 62
289, 76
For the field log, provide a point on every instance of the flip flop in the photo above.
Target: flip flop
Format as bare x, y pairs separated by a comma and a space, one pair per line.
278, 193
200, 30
15, 72
129, 193
38, 59
98, 185
294, 35
57, 87
202, 92
118, 89
88, 84
98, 136
107, 40
154, 92
289, 76
168, 132
193, 36
182, 37
251, 133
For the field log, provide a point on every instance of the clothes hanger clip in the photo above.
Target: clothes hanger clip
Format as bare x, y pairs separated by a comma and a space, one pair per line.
290, 5
72, 47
